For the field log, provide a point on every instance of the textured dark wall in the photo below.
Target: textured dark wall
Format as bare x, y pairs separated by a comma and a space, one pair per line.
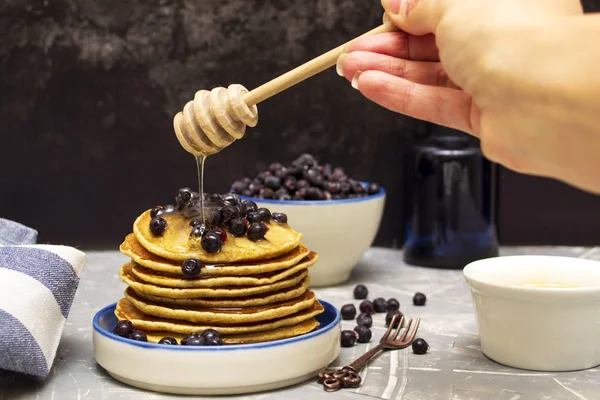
88, 89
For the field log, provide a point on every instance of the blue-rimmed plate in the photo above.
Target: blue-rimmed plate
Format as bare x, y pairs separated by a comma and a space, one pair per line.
230, 369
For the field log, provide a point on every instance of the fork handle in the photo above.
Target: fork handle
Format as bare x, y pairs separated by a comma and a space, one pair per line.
347, 376
362, 360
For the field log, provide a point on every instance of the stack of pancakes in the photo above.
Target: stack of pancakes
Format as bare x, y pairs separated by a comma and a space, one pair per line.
249, 291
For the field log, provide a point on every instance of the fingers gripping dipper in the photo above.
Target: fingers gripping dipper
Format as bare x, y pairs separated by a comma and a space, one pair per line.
216, 118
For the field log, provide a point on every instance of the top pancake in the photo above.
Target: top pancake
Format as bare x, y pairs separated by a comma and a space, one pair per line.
173, 244
131, 247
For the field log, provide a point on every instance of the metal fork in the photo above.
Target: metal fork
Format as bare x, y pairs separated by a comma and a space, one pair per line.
348, 375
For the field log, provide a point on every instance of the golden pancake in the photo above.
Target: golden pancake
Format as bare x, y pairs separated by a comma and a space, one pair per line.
249, 301
131, 247
126, 310
245, 338
174, 243
223, 316
127, 276
181, 282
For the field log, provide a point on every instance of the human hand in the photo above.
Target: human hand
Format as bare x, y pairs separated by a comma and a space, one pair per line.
472, 65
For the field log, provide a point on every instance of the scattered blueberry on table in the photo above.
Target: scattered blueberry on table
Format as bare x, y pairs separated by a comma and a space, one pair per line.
366, 306
419, 299
380, 305
348, 311
360, 292
420, 346
303, 179
365, 319
348, 338
393, 304
364, 333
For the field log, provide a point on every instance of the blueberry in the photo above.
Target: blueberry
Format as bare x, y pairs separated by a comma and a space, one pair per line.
285, 197
209, 334
262, 176
253, 216
364, 333
229, 212
366, 306
185, 340
198, 231
195, 222
314, 177
365, 319
313, 193
232, 199
255, 188
266, 193
158, 226
326, 169
290, 183
247, 193
216, 341
360, 292
195, 341
374, 188
420, 346
191, 267
237, 227
333, 187
211, 242
348, 311
305, 160
302, 184
156, 211
390, 315
380, 305
280, 217
282, 173
419, 299
168, 340
264, 214
124, 328
281, 192
249, 206
348, 338
184, 196
138, 335
272, 182
239, 186
275, 167
393, 304
215, 218
359, 189
295, 171
221, 234
345, 187
257, 231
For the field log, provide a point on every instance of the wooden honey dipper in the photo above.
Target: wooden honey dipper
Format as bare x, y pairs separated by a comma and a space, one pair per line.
216, 118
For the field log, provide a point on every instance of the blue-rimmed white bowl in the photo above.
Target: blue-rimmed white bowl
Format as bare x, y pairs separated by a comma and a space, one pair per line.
210, 370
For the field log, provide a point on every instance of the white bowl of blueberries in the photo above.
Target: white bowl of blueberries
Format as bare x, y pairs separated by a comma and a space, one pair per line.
338, 216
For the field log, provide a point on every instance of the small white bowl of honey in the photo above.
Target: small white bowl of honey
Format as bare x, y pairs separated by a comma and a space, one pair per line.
538, 313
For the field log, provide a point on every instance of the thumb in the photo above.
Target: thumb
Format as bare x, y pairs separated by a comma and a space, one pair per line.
417, 17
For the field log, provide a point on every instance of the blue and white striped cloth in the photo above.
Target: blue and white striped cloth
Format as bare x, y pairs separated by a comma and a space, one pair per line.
37, 287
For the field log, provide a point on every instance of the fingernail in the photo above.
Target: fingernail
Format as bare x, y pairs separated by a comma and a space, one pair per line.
392, 6
354, 82
339, 64
386, 19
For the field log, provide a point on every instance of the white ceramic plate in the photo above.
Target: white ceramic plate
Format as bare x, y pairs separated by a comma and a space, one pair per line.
230, 369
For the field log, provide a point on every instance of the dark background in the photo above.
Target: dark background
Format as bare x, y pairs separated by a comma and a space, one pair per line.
88, 89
